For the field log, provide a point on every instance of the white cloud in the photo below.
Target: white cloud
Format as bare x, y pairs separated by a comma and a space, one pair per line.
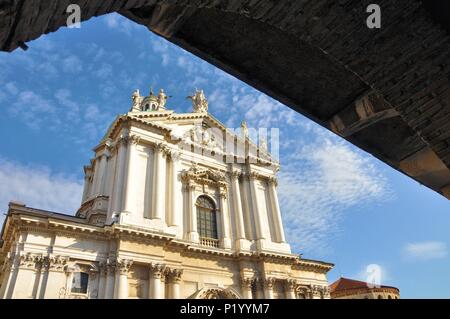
11, 88
161, 47
38, 187
120, 23
426, 250
32, 108
72, 64
319, 182
105, 71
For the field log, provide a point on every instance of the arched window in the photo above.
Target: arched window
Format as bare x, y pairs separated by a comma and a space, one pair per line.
380, 297
389, 297
206, 218
80, 282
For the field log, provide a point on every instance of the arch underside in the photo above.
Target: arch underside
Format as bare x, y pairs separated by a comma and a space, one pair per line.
386, 91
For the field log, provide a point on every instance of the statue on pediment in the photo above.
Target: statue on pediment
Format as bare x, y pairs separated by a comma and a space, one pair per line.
244, 129
136, 99
199, 102
162, 99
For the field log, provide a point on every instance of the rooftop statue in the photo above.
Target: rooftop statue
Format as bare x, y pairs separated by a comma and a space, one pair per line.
244, 129
199, 102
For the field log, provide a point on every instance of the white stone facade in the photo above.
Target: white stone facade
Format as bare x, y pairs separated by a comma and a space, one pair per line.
140, 230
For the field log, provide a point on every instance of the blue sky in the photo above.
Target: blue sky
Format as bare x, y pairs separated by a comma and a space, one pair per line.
339, 204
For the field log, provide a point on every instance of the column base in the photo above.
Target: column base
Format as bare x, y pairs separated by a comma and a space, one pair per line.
243, 245
194, 237
264, 244
225, 243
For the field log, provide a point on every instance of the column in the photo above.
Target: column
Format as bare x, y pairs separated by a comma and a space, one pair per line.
192, 212
268, 288
100, 174
93, 190
256, 212
26, 277
276, 211
175, 282
155, 288
56, 278
175, 211
290, 288
103, 273
87, 176
110, 280
129, 200
120, 173
159, 186
43, 276
246, 199
225, 219
246, 284
123, 266
239, 218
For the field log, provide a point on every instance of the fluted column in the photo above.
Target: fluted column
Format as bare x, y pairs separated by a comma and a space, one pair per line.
159, 189
129, 190
155, 288
276, 211
239, 218
290, 288
246, 284
255, 203
175, 200
120, 174
225, 219
192, 213
123, 266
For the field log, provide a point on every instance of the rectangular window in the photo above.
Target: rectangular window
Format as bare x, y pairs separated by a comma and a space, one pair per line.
80, 282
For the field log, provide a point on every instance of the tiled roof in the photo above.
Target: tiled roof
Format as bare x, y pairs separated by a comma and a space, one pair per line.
345, 284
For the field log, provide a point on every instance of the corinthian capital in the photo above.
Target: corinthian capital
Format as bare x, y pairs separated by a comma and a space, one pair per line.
57, 263
291, 284
157, 270
273, 181
122, 140
134, 139
235, 174
30, 261
247, 282
253, 176
124, 265
174, 274
268, 282
162, 148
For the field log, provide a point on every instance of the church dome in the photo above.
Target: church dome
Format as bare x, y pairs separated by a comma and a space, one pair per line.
150, 103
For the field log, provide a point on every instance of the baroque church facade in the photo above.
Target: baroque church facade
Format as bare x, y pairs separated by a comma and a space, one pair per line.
174, 206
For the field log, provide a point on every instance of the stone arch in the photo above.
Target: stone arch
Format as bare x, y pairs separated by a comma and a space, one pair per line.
216, 293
